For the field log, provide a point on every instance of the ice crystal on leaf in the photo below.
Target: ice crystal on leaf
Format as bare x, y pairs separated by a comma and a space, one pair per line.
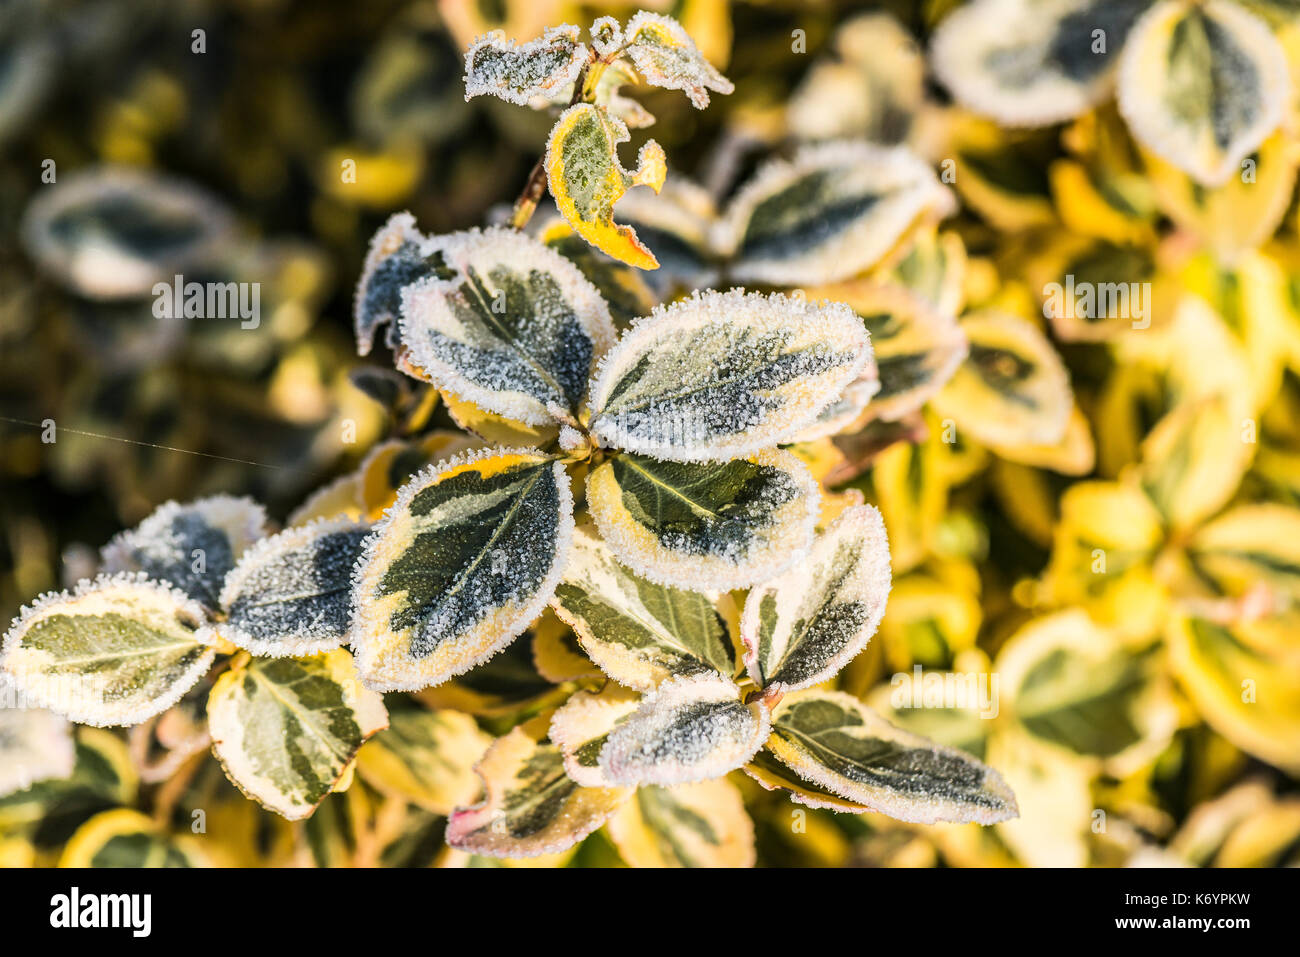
665, 55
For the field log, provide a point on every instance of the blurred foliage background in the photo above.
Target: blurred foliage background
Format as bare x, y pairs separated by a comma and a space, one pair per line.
1123, 726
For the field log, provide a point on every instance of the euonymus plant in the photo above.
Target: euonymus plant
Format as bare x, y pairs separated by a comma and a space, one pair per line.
640, 489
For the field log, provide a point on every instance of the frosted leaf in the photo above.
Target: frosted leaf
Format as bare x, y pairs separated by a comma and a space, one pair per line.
115, 651
517, 330
803, 626
723, 375
531, 806
1028, 63
1203, 86
1012, 389
665, 55
690, 729
467, 556
426, 757
337, 499
286, 730
704, 824
849, 409
705, 526
35, 744
638, 632
517, 73
772, 775
389, 464
831, 212
606, 36
192, 546
113, 232
497, 430
291, 594
582, 725
917, 349
838, 744
586, 179
507, 684
399, 256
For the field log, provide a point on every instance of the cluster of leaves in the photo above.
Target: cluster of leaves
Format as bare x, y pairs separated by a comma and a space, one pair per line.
634, 588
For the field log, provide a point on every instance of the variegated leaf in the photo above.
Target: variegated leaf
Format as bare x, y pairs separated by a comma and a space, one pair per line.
1012, 389
557, 654
705, 526
772, 775
1248, 546
665, 55
399, 256
833, 740
390, 464
123, 838
531, 806
582, 725
517, 74
286, 730
191, 546
115, 651
803, 626
426, 757
689, 729
291, 594
1032, 62
1203, 85
830, 213
112, 232
465, 558
1073, 684
586, 179
723, 375
675, 222
517, 330
498, 430
35, 744
638, 632
691, 825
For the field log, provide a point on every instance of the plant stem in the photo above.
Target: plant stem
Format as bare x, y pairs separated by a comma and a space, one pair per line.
527, 202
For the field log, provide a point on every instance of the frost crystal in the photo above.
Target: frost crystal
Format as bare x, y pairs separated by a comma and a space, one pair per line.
606, 36
496, 66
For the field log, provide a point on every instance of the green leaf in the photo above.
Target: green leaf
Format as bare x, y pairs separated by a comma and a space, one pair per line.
531, 806
803, 626
1032, 63
126, 838
689, 729
192, 546
705, 526
286, 730
517, 330
518, 74
466, 557
1203, 85
291, 594
665, 55
116, 651
426, 757
833, 740
638, 632
831, 212
723, 375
